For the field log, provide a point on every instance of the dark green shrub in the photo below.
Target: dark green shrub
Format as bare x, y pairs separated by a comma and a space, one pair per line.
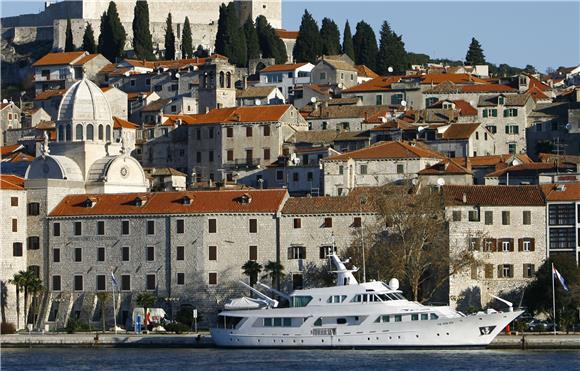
177, 327
75, 325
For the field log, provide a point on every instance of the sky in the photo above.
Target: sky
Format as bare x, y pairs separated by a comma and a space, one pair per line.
541, 33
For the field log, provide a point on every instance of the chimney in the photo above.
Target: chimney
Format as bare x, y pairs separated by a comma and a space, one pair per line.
464, 199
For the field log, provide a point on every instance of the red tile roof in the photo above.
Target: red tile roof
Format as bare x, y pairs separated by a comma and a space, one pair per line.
349, 204
561, 192
47, 94
53, 59
456, 78
282, 67
486, 195
493, 160
534, 166
18, 157
386, 150
119, 123
6, 150
460, 131
85, 59
246, 114
446, 167
202, 202
465, 108
537, 94
11, 182
364, 71
381, 83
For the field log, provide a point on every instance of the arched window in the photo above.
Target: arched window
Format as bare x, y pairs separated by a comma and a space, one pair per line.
61, 137
101, 133
221, 79
90, 132
229, 80
108, 133
79, 132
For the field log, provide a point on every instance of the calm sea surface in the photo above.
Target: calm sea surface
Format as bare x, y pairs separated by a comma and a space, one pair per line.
218, 359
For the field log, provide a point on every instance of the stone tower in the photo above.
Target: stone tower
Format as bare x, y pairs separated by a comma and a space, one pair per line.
216, 84
271, 9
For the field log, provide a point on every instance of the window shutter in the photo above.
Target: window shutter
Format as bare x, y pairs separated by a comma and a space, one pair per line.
512, 247
511, 271
532, 244
493, 244
500, 271
520, 244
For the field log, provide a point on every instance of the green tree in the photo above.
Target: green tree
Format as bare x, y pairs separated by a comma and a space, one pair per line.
253, 45
35, 288
103, 297
330, 37
230, 39
308, 45
252, 269
18, 281
169, 39
418, 58
113, 35
365, 45
89, 40
186, 40
270, 43
475, 54
391, 52
3, 300
530, 69
274, 271
146, 300
142, 40
347, 44
69, 46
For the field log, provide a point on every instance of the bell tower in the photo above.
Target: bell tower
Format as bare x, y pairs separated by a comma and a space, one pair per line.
216, 84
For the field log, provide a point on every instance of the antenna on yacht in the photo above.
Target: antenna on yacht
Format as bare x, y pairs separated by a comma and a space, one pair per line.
344, 276
509, 304
277, 292
272, 302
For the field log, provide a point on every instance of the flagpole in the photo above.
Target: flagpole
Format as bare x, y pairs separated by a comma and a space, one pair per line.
553, 299
114, 308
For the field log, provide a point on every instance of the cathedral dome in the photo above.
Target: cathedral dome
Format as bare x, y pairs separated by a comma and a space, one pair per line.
84, 101
54, 167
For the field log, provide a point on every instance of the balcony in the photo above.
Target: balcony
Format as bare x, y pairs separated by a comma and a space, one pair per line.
243, 164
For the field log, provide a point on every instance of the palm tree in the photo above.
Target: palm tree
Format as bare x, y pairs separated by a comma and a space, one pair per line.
28, 281
17, 281
146, 300
103, 297
275, 271
34, 288
4, 300
252, 269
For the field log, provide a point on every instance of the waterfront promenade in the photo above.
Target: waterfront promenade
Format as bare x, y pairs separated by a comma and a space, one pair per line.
203, 340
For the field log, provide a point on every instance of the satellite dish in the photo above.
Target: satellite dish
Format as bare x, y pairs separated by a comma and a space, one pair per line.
420, 129
313, 100
127, 74
4, 100
440, 182
568, 126
390, 69
404, 103
257, 102
177, 75
394, 284
340, 85
195, 68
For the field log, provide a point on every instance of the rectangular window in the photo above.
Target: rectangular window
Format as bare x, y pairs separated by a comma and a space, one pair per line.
398, 318
210, 156
33, 243
212, 253
562, 238
267, 131
266, 154
33, 208
249, 132
180, 253
78, 228
14, 225
489, 271
78, 283
230, 155
180, 226
488, 216
505, 271
198, 157
101, 282
125, 227
505, 218
489, 245
400, 169
363, 169
505, 246
212, 225
150, 282
456, 215
78, 254
325, 251
297, 252
340, 170
212, 278
56, 255
414, 317
55, 283
378, 100
17, 249
253, 252
492, 128
181, 278
527, 217
100, 228
230, 132
529, 270
13, 201
150, 253
357, 222
253, 225
210, 133
126, 282
473, 215
295, 177
279, 175
151, 227
396, 99
327, 222
297, 223
474, 274
125, 253
100, 254
561, 214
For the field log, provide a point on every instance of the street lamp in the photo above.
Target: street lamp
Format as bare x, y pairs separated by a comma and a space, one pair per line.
362, 201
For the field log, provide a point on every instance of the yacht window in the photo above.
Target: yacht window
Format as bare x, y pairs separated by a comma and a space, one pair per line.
383, 318
267, 322
336, 299
384, 297
341, 321
277, 322
414, 317
318, 322
424, 316
287, 322
392, 296
398, 318
434, 316
301, 301
228, 322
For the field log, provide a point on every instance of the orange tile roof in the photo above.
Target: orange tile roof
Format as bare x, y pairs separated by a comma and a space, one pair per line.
19, 157
202, 202
494, 160
534, 166
445, 167
85, 59
232, 115
386, 150
551, 157
535, 83
561, 192
486, 195
47, 94
465, 108
53, 59
119, 123
349, 204
6, 150
381, 83
11, 182
460, 131
364, 71
537, 94
282, 67
285, 34
456, 78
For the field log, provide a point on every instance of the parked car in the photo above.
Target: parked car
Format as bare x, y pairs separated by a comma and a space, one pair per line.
537, 325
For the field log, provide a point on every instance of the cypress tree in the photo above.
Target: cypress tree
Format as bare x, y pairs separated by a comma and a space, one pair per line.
68, 42
391, 52
89, 40
475, 53
142, 42
308, 45
113, 35
230, 37
365, 45
270, 43
253, 45
169, 39
222, 41
103, 29
347, 45
330, 36
186, 40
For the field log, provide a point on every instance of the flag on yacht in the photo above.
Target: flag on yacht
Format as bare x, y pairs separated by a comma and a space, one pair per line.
560, 278
114, 280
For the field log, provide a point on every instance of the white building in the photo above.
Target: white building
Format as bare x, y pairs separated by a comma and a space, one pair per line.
285, 77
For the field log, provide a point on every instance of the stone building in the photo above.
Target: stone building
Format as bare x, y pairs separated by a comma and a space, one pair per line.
335, 70
286, 77
460, 139
9, 119
504, 225
216, 85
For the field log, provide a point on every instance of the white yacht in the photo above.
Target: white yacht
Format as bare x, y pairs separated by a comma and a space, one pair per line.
352, 314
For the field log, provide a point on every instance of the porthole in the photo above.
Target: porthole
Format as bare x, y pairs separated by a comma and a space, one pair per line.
377, 338
231, 339
369, 339
294, 341
417, 336
258, 340
302, 341
437, 334
447, 334
398, 337
322, 340
390, 338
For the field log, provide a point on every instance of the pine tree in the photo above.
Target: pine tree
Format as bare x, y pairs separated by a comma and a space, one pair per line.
347, 45
253, 45
270, 43
365, 45
113, 35
391, 52
69, 46
89, 40
475, 54
142, 41
330, 36
169, 39
186, 40
308, 45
